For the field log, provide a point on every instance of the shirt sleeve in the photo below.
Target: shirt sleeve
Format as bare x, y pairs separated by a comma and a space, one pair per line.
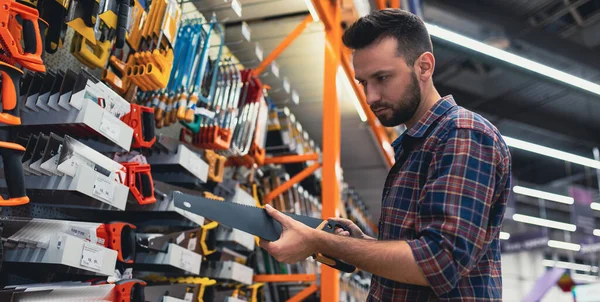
452, 221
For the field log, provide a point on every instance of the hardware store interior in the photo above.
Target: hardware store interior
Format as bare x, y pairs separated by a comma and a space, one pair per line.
142, 140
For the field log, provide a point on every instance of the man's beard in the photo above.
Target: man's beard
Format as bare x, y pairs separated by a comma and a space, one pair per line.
403, 109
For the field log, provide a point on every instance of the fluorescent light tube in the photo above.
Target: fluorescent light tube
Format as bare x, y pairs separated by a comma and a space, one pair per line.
596, 232
508, 57
312, 10
564, 245
543, 195
595, 206
504, 236
568, 265
544, 222
350, 91
576, 159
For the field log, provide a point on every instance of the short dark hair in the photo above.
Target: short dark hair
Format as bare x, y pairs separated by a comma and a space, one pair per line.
408, 29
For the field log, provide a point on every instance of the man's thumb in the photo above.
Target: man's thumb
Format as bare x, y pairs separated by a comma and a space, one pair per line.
280, 217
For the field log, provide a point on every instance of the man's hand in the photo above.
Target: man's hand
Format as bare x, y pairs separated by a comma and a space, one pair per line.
296, 242
355, 231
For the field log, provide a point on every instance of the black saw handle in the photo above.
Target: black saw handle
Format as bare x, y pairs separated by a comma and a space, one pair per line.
330, 226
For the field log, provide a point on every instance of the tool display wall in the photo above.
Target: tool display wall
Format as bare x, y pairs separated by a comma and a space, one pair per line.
110, 109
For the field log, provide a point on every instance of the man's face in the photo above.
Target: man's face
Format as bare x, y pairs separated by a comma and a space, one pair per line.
391, 86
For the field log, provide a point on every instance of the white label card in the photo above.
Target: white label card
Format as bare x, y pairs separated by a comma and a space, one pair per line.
286, 85
295, 97
187, 260
189, 297
246, 31
275, 68
259, 52
192, 244
92, 256
104, 188
237, 7
109, 128
180, 238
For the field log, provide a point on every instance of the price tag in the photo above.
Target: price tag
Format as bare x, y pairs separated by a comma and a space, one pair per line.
189, 297
192, 244
110, 129
295, 97
187, 260
286, 85
104, 188
92, 256
275, 68
195, 165
246, 31
259, 52
180, 238
237, 7
128, 273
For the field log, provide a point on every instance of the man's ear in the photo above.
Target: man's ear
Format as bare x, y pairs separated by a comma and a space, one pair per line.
424, 66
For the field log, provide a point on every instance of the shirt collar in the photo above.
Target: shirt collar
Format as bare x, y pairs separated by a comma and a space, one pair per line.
420, 128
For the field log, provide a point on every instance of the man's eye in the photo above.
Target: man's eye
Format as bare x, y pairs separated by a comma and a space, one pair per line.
382, 78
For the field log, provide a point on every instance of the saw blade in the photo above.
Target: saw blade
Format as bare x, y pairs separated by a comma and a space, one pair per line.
246, 218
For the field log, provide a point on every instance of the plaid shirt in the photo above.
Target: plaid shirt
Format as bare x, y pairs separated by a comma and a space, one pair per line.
446, 197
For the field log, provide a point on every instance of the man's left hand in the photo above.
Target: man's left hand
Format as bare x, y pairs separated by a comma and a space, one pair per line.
297, 240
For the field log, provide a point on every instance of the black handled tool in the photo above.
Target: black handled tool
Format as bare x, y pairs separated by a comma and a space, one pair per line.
255, 221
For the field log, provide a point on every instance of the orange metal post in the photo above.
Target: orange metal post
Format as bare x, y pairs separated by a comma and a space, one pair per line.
291, 159
285, 278
380, 4
288, 184
378, 130
305, 293
283, 45
330, 13
395, 3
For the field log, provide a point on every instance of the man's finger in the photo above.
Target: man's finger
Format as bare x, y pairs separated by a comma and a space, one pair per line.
280, 217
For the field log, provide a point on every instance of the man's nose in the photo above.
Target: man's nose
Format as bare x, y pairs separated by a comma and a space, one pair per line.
373, 95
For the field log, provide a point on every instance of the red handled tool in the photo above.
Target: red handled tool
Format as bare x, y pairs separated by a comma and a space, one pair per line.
140, 183
126, 290
141, 119
21, 21
119, 236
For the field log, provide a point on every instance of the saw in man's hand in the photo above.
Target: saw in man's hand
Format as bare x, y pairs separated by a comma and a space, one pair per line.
255, 221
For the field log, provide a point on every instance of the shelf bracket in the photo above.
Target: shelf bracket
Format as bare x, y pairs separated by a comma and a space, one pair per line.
290, 183
291, 159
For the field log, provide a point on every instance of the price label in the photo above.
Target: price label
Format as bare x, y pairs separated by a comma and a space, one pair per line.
110, 129
286, 85
246, 31
192, 244
275, 68
92, 256
104, 188
187, 260
295, 97
180, 238
259, 52
128, 273
189, 297
237, 7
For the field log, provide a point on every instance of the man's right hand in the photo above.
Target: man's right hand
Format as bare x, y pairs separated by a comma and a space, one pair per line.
355, 231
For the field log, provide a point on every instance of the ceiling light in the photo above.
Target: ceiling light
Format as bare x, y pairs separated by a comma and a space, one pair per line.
596, 232
508, 57
543, 195
595, 206
544, 222
348, 88
564, 245
568, 265
576, 159
504, 236
312, 10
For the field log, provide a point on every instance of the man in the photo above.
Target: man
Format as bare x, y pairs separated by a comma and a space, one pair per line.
443, 200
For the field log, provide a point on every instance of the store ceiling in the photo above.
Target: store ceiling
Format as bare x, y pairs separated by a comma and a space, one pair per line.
522, 105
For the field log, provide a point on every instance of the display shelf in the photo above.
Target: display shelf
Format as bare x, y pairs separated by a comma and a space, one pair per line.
235, 239
91, 115
223, 9
176, 157
172, 292
227, 271
176, 259
65, 252
67, 291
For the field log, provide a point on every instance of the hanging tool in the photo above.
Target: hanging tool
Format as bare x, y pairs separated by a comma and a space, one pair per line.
54, 12
83, 22
95, 53
140, 183
216, 165
13, 172
255, 221
141, 120
20, 36
119, 236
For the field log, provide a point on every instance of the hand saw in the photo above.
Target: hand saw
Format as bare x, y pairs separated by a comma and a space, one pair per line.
255, 221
